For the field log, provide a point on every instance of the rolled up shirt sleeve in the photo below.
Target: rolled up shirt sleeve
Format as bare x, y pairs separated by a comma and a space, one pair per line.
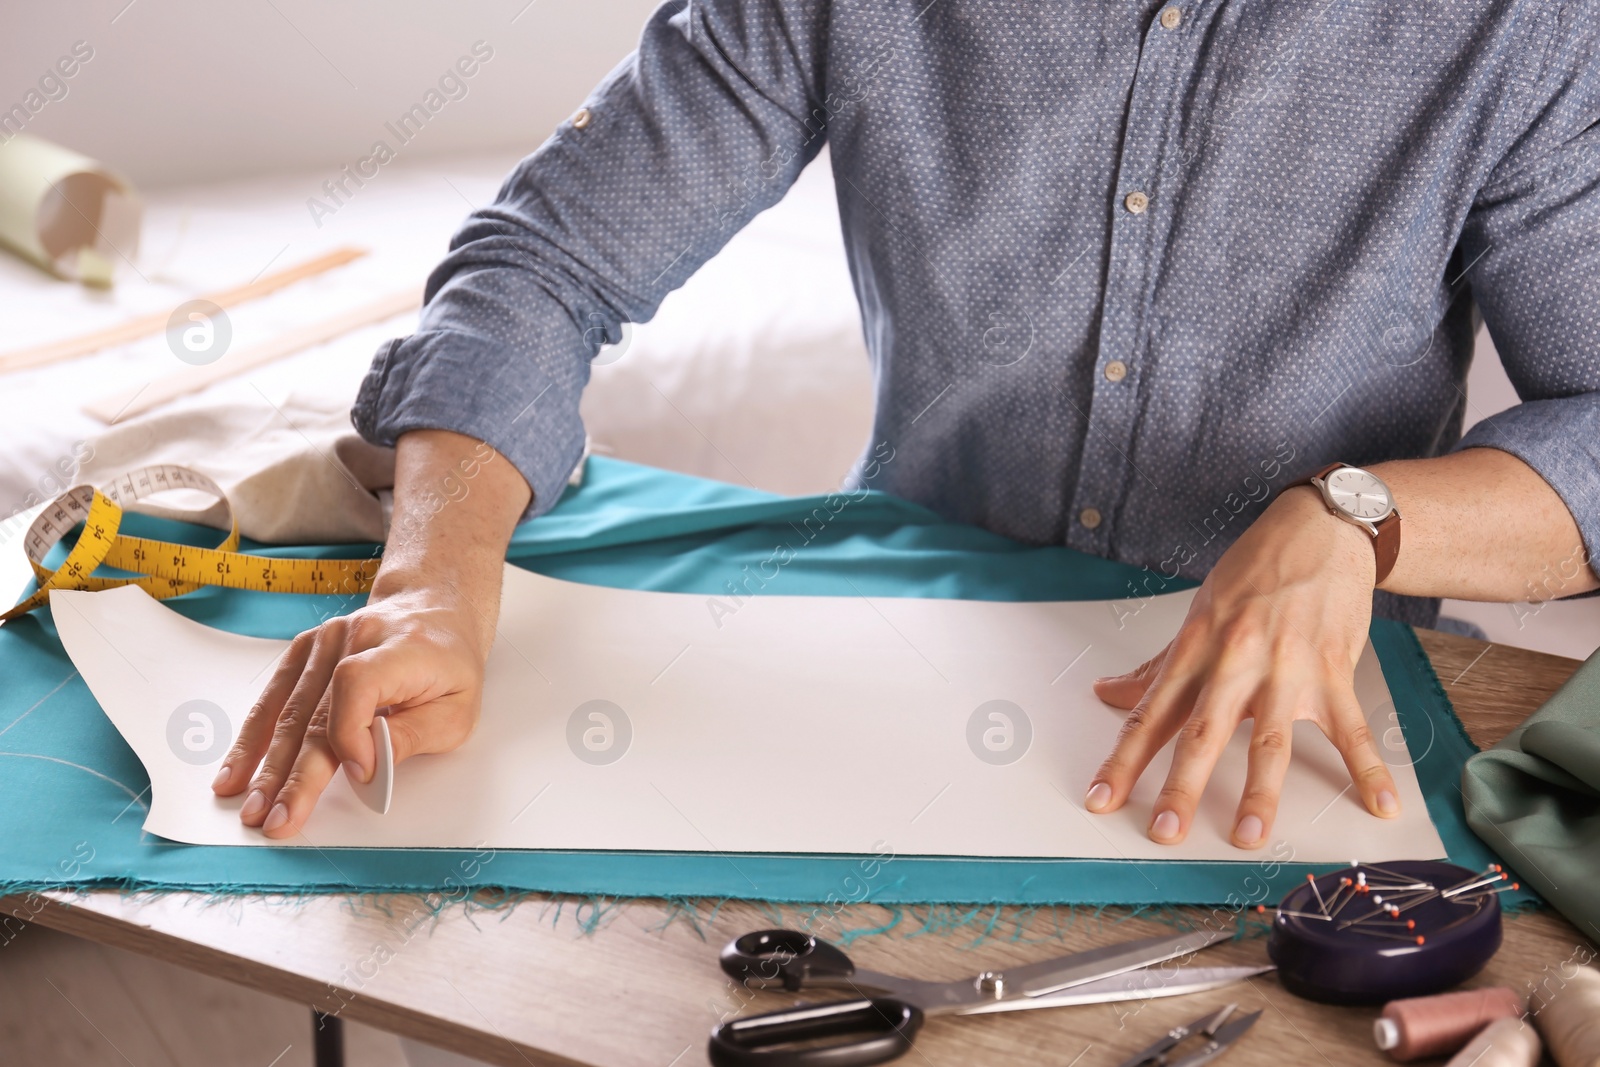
1532, 249
701, 129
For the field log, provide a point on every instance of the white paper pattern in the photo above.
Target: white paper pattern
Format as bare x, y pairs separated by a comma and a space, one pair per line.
794, 724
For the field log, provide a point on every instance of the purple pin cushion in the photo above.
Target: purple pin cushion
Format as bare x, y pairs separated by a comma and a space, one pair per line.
1377, 932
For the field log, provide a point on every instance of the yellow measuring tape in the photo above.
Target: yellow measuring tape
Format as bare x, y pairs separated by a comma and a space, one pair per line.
163, 568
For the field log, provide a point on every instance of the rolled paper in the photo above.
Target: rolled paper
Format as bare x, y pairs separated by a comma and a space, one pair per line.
65, 212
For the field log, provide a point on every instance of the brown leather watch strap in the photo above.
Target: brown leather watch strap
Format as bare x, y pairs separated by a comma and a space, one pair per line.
1386, 546
1385, 542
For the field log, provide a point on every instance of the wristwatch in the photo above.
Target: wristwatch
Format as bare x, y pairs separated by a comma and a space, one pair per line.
1359, 497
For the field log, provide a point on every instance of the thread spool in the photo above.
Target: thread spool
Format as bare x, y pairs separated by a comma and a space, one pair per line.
1417, 1027
1503, 1043
1568, 1015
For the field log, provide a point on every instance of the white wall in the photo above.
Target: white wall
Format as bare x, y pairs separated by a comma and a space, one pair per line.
184, 91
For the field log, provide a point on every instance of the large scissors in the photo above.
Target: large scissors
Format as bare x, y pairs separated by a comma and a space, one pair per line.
881, 1023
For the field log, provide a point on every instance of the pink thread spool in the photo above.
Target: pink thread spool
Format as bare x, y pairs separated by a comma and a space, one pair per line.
1437, 1026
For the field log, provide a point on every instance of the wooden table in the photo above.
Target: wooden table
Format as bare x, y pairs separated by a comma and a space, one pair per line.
528, 985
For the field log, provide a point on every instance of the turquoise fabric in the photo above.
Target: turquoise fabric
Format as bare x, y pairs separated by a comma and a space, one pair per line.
71, 792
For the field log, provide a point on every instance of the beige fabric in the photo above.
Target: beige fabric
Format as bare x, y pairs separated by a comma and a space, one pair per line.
296, 474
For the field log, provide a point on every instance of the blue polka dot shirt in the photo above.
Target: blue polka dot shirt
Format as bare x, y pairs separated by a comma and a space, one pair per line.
1125, 269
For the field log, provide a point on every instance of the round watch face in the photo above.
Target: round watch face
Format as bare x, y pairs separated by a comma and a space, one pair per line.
1358, 494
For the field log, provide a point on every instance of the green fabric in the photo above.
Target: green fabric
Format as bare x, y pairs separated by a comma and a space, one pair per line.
1535, 798
71, 792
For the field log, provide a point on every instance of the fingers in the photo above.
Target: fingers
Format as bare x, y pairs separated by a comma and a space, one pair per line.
432, 728
1148, 727
1267, 766
1352, 737
357, 692
1126, 690
256, 732
310, 774
290, 729
430, 717
1216, 715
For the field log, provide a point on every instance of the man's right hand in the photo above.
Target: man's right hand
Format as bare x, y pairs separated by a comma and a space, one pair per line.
418, 647
416, 654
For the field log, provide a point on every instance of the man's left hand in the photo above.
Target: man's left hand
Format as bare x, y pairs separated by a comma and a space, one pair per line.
1273, 635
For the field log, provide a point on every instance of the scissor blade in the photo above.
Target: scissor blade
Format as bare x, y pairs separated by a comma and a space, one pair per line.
1158, 1051
1131, 985
1050, 976
1220, 1042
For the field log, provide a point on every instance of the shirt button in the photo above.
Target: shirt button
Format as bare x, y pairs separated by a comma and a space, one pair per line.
1116, 370
581, 119
1136, 202
1171, 17
1090, 517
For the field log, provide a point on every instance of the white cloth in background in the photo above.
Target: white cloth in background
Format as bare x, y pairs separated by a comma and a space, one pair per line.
754, 372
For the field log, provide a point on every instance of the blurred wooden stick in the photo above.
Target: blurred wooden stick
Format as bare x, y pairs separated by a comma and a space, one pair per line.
111, 408
148, 325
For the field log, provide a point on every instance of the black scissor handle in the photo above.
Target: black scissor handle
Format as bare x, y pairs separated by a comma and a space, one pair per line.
789, 958
880, 1030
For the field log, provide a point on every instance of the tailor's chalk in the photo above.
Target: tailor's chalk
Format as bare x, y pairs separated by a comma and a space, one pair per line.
378, 792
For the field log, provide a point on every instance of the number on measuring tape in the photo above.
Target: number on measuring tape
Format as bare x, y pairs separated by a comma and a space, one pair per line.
191, 568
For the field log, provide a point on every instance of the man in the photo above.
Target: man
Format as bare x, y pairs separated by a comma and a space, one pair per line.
1127, 271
